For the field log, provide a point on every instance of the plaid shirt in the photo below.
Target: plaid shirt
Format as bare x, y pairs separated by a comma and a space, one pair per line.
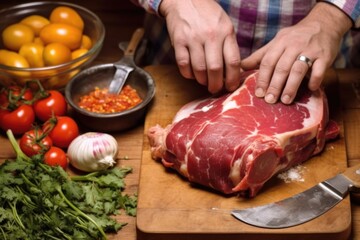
256, 23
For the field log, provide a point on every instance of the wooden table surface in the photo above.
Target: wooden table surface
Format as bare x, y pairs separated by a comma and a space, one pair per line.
121, 19
350, 100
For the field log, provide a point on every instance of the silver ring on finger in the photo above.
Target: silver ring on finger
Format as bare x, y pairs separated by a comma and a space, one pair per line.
305, 59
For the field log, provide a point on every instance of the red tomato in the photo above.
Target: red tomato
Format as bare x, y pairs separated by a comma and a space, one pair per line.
3, 112
3, 98
19, 121
17, 93
24, 94
62, 130
56, 157
34, 142
54, 104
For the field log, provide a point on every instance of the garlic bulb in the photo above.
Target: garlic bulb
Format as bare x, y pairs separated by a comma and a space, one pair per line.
93, 151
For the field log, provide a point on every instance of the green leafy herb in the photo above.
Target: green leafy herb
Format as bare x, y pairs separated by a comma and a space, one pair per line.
42, 202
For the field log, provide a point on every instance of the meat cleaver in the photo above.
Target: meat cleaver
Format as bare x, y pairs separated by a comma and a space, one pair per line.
304, 206
126, 65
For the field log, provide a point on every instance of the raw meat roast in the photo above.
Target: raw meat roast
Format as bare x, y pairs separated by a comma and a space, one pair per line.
236, 142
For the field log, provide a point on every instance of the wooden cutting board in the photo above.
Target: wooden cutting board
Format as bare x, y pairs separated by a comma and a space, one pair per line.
170, 207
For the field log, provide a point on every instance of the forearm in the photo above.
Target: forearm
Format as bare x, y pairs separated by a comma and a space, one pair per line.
351, 8
331, 18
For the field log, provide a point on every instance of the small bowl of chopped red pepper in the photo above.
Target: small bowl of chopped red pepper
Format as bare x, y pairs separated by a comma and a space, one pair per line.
96, 109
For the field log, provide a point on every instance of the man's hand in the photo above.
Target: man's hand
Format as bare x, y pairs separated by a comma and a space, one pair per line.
204, 40
317, 37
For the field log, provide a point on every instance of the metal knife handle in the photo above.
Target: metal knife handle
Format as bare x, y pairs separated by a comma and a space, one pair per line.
353, 174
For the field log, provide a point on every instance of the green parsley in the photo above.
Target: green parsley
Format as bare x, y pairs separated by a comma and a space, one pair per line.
42, 202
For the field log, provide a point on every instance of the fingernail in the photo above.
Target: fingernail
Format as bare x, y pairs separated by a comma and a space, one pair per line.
259, 92
286, 99
269, 98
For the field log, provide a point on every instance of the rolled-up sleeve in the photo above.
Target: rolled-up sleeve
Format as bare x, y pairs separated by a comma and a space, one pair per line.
151, 6
350, 7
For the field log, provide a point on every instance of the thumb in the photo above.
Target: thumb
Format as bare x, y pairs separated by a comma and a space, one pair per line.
253, 61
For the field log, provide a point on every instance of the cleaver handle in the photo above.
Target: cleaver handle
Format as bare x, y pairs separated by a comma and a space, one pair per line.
134, 42
353, 174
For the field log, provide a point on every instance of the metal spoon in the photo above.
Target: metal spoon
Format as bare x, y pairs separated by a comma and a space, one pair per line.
126, 64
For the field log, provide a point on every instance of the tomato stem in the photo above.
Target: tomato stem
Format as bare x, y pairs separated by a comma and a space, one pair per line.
39, 136
41, 93
51, 124
14, 100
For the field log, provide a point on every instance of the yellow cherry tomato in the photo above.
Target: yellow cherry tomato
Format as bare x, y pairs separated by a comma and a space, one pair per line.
43, 74
13, 59
38, 40
33, 53
67, 15
78, 53
63, 33
56, 53
16, 35
36, 22
86, 42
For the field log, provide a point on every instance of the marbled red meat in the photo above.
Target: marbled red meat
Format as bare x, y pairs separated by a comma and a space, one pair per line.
236, 142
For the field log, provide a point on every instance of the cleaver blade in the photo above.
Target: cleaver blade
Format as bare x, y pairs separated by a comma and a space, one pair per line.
120, 77
304, 206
